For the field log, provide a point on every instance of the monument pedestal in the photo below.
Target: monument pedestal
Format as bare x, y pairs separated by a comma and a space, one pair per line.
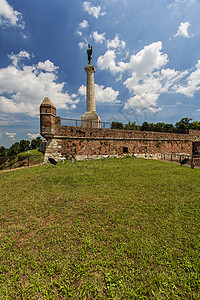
90, 118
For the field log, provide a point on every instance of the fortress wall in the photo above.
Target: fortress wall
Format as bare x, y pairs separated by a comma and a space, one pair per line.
97, 147
88, 142
73, 131
82, 143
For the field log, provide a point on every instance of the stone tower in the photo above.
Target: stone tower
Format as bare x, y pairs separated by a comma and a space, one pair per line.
90, 118
47, 118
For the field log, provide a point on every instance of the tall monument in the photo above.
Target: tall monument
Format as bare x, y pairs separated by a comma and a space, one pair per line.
90, 118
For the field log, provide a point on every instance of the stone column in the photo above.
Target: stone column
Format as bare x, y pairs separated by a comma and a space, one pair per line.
90, 94
90, 118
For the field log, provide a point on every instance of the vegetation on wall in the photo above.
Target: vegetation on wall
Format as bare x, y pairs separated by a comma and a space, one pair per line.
183, 124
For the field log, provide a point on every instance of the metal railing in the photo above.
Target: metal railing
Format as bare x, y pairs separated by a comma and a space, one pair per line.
84, 123
193, 160
107, 125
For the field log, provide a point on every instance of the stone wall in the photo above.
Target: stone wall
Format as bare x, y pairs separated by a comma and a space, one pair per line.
84, 142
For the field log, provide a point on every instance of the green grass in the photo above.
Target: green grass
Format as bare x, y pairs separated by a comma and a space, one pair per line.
106, 229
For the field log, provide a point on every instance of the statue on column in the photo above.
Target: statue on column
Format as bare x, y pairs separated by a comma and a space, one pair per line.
89, 53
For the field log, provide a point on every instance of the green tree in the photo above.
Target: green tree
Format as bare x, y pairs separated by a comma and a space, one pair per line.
35, 143
145, 126
117, 125
14, 149
24, 145
159, 126
3, 151
184, 123
168, 127
195, 125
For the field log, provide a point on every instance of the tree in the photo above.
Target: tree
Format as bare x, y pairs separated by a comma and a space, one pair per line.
3, 151
184, 123
117, 125
35, 143
24, 145
159, 126
195, 125
145, 126
168, 127
14, 149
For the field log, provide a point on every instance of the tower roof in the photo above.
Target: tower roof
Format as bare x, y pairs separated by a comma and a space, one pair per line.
47, 101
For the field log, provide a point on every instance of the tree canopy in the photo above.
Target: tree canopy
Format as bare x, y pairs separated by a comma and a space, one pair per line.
19, 147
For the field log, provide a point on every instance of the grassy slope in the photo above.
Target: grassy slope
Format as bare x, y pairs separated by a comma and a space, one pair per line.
21, 160
106, 229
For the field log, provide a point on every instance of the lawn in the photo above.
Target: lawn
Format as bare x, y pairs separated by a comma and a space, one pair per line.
105, 229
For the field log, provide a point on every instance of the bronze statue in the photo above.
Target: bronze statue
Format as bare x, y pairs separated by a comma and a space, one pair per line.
89, 53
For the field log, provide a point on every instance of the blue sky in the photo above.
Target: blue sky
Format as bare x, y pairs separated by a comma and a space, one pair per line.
146, 55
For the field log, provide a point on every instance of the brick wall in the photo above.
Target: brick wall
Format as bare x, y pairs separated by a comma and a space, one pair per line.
82, 142
94, 142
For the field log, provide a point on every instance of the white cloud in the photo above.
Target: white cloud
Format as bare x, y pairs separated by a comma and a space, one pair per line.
99, 38
95, 11
32, 136
82, 45
116, 43
84, 24
192, 83
79, 32
176, 3
147, 60
11, 135
23, 89
148, 78
142, 101
183, 30
17, 57
47, 66
9, 16
107, 62
102, 94
144, 62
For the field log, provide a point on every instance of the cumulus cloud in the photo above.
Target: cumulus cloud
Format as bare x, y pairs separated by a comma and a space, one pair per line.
191, 84
116, 43
95, 11
183, 30
147, 76
18, 57
22, 89
107, 62
84, 24
9, 16
145, 61
32, 136
98, 37
102, 94
149, 79
47, 66
11, 135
